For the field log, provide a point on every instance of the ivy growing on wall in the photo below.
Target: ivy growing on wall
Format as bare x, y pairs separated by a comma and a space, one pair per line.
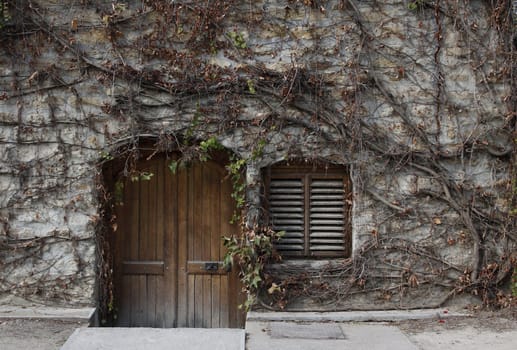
192, 75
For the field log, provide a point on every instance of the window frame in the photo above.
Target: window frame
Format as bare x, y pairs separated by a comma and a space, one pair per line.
307, 173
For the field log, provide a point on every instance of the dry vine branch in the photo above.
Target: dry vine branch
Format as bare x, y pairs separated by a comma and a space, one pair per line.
202, 99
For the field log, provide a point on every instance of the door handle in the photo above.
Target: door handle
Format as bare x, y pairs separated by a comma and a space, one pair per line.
207, 267
211, 266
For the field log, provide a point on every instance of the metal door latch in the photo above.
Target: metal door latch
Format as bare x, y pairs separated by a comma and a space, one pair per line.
211, 266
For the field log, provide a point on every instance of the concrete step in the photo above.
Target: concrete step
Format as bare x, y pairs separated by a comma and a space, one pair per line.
354, 316
156, 339
10, 312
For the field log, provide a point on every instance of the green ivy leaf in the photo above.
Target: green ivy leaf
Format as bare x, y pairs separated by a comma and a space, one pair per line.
146, 176
255, 281
251, 87
173, 166
118, 192
105, 155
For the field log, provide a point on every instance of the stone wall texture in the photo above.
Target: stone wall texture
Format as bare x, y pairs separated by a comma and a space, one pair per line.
414, 96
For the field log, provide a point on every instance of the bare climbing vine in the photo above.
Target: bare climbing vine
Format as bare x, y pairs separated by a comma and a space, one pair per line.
190, 74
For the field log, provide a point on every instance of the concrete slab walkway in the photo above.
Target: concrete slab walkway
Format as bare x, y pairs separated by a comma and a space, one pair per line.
324, 336
428, 329
156, 339
469, 338
44, 328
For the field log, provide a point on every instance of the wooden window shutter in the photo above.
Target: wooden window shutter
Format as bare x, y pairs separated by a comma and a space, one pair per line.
286, 207
327, 216
311, 205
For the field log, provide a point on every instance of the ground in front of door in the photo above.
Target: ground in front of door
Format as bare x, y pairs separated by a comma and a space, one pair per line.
485, 329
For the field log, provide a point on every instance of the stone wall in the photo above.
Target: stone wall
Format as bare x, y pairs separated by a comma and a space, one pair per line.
415, 96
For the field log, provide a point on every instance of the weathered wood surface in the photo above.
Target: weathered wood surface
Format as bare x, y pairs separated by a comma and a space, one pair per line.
169, 228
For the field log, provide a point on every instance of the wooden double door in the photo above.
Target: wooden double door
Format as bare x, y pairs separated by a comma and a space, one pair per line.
168, 250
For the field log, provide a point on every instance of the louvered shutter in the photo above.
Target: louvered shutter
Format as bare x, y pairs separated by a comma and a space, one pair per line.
310, 206
327, 217
286, 206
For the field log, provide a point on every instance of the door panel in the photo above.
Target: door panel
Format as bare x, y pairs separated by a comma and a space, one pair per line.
168, 249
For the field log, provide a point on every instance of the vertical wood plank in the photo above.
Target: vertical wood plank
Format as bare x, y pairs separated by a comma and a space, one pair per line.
215, 301
143, 221
224, 311
170, 220
183, 210
206, 299
122, 236
124, 304
152, 217
191, 307
132, 247
160, 207
139, 289
198, 217
141, 301
133, 292
152, 242
161, 302
216, 185
146, 222
198, 301
197, 222
174, 246
226, 212
151, 300
207, 200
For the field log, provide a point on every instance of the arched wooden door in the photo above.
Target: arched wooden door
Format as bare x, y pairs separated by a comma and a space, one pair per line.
168, 249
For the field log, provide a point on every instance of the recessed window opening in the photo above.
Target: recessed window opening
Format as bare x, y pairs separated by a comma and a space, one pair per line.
311, 204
